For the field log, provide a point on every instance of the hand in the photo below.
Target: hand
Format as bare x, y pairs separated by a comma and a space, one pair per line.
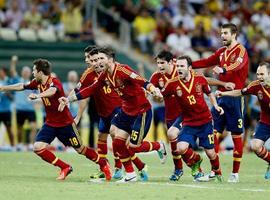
157, 94
218, 93
33, 96
218, 70
63, 102
229, 86
14, 58
1, 89
219, 109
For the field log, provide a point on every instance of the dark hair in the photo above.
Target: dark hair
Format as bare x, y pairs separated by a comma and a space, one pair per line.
187, 58
232, 27
94, 51
4, 69
108, 51
43, 65
266, 64
89, 48
164, 55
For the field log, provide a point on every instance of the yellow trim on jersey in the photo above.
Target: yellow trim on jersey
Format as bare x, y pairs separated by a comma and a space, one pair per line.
237, 159
237, 63
266, 92
232, 50
174, 73
85, 73
125, 159
190, 86
112, 80
253, 83
54, 161
142, 129
74, 127
242, 106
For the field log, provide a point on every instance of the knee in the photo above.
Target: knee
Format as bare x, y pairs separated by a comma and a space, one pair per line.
211, 154
38, 146
255, 146
181, 148
172, 133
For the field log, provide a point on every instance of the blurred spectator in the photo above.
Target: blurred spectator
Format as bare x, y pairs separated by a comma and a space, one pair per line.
144, 26
185, 17
72, 20
53, 16
5, 104
128, 10
200, 41
179, 42
14, 16
22, 4
25, 110
203, 19
32, 18
87, 32
263, 20
166, 9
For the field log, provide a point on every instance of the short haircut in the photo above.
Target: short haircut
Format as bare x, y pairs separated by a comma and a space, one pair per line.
94, 51
187, 58
165, 55
89, 48
108, 51
232, 27
43, 65
265, 64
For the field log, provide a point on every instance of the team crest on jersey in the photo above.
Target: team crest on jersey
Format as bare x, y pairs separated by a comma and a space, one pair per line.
260, 95
198, 88
119, 83
179, 91
161, 83
232, 59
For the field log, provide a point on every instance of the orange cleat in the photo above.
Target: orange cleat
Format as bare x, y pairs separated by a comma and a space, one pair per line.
64, 173
107, 171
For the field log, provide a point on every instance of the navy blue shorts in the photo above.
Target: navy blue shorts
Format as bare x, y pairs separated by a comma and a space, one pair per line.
137, 126
176, 123
5, 117
233, 118
159, 115
68, 135
105, 122
204, 132
22, 116
262, 132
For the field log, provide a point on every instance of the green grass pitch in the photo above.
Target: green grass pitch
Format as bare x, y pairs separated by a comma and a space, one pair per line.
26, 176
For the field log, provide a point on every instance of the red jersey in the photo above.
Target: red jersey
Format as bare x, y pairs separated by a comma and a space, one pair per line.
106, 99
172, 108
263, 95
128, 85
234, 61
190, 96
54, 118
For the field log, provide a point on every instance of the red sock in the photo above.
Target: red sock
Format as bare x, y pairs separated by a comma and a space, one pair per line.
117, 162
178, 164
51, 158
91, 154
216, 141
190, 157
146, 147
264, 154
102, 148
215, 165
120, 147
237, 152
136, 161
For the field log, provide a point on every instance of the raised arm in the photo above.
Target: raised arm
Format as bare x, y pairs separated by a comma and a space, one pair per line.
14, 87
13, 64
233, 93
215, 82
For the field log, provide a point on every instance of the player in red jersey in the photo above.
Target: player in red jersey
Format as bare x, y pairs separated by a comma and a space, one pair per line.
260, 88
57, 124
135, 115
189, 88
231, 64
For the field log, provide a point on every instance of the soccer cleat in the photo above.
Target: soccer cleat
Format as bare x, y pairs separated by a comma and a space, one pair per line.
118, 173
234, 178
198, 175
162, 152
97, 175
64, 173
210, 177
176, 175
143, 173
267, 173
129, 178
107, 171
196, 167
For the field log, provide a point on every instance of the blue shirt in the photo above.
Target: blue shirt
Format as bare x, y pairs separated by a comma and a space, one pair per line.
22, 102
6, 97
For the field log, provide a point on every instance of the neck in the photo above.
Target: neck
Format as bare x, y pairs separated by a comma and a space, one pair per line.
187, 78
170, 69
234, 42
44, 79
111, 68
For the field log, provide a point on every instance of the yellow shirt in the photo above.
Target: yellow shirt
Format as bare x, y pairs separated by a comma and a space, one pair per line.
144, 25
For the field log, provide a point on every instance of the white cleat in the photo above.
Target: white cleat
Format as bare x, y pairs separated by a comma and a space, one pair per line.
234, 178
162, 152
129, 178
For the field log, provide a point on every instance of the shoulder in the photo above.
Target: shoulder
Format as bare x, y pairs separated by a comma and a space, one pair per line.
254, 84
155, 75
221, 49
86, 73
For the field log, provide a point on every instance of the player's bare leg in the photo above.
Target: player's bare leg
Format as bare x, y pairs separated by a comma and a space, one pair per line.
40, 148
10, 135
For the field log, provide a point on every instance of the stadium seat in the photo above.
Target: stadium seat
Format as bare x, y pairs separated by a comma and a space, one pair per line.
46, 35
27, 34
8, 34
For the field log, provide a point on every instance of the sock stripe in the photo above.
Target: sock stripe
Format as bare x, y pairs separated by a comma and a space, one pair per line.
55, 160
40, 151
151, 146
125, 159
237, 159
266, 155
133, 157
102, 155
177, 157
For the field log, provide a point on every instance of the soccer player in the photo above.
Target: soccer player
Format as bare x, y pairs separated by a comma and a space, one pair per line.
189, 88
57, 124
134, 118
167, 71
231, 65
260, 88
